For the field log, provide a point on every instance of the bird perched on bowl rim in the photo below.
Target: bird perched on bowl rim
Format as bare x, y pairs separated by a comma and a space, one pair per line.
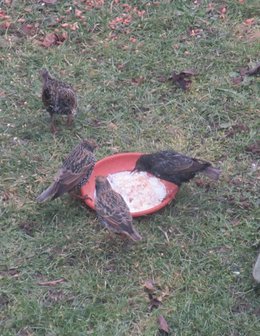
58, 97
74, 172
174, 167
112, 210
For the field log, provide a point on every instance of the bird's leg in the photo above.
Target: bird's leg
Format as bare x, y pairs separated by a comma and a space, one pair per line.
53, 128
69, 119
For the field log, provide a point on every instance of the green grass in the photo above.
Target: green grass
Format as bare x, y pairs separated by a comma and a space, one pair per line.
204, 268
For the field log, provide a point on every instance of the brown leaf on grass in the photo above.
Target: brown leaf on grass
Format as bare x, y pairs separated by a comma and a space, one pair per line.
249, 22
149, 285
49, 2
163, 325
49, 40
72, 26
193, 32
237, 80
8, 2
28, 29
154, 302
254, 71
183, 78
254, 36
112, 126
52, 39
137, 80
254, 148
51, 283
5, 25
78, 13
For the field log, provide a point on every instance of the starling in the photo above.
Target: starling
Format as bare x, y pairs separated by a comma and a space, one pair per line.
58, 98
174, 167
113, 211
74, 172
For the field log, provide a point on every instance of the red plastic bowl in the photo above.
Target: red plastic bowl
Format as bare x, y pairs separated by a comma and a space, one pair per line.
118, 163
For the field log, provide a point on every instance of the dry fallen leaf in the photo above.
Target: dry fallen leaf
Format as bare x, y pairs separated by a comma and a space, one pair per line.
28, 29
8, 2
237, 80
163, 325
51, 283
249, 22
182, 79
137, 80
149, 285
254, 148
254, 71
195, 32
78, 13
154, 302
52, 39
254, 36
2, 93
49, 40
112, 126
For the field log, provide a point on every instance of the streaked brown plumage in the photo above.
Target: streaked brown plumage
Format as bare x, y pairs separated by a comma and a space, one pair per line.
58, 98
113, 211
174, 167
74, 172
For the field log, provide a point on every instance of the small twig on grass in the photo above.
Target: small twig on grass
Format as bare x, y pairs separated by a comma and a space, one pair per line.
51, 283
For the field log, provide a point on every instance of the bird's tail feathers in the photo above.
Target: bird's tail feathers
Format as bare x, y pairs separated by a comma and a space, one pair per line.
212, 173
48, 193
134, 235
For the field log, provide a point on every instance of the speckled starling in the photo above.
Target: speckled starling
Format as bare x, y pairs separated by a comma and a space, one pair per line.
113, 211
58, 98
174, 167
74, 172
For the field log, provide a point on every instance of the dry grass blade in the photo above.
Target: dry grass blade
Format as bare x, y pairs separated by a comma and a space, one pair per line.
51, 282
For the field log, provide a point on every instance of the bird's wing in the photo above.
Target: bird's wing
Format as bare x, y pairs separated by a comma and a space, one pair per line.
66, 180
176, 162
114, 211
69, 179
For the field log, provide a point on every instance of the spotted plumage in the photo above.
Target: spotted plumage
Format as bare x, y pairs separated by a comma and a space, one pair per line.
58, 98
174, 167
74, 172
113, 211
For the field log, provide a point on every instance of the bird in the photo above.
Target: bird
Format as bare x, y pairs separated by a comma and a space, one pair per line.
174, 167
58, 97
112, 210
74, 172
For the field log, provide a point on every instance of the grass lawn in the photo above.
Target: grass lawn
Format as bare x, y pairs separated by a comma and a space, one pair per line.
199, 251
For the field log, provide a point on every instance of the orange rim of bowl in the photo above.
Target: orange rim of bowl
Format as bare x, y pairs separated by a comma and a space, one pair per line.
118, 163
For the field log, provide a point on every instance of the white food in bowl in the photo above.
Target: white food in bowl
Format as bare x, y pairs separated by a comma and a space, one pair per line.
139, 190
